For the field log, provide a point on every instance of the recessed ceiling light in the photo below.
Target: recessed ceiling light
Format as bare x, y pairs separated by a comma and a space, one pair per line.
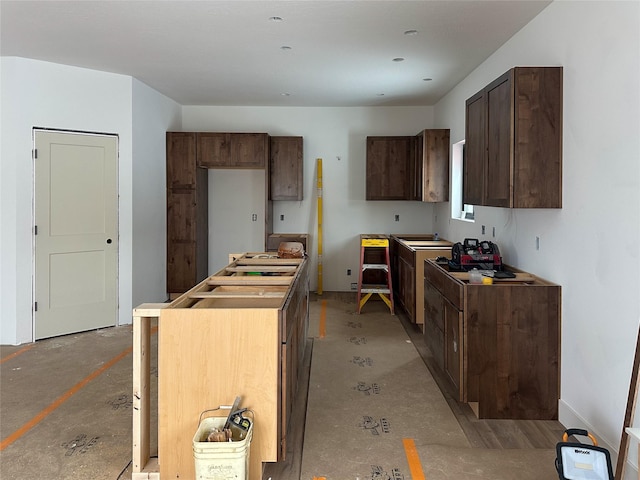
275, 19
285, 47
398, 59
427, 79
411, 32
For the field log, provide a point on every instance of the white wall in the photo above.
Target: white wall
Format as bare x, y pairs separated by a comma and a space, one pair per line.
41, 94
153, 115
47, 95
337, 135
590, 246
235, 195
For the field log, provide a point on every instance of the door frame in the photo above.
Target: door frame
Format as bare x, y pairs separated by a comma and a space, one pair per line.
34, 130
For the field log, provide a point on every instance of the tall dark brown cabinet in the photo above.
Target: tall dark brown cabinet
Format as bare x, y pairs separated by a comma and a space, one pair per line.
187, 221
513, 144
189, 156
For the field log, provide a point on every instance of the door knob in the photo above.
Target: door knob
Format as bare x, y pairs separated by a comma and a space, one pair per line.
108, 240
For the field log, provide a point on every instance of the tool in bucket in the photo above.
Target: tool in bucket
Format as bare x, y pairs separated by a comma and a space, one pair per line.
236, 425
581, 461
227, 459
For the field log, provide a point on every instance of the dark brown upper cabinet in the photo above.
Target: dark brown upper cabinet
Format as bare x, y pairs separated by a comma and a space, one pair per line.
513, 144
389, 160
232, 150
181, 165
285, 168
409, 168
430, 175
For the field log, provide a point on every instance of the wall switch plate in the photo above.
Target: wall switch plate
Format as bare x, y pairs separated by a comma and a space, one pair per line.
354, 286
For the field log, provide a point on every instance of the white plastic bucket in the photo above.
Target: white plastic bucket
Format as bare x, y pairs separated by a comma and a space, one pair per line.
220, 460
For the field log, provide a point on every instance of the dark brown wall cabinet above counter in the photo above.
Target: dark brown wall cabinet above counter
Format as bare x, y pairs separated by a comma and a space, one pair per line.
513, 141
409, 167
431, 166
232, 150
388, 166
285, 167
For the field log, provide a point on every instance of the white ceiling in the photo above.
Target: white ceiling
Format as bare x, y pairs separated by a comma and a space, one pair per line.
230, 52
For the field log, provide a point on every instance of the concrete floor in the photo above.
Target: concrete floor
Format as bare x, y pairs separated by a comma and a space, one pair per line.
374, 411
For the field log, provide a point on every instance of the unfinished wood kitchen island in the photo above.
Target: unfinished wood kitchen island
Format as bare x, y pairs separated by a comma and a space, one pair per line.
240, 332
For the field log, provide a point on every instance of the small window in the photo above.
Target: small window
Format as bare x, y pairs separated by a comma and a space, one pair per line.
459, 210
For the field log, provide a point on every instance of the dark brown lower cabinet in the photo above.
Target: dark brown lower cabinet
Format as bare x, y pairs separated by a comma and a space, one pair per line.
497, 344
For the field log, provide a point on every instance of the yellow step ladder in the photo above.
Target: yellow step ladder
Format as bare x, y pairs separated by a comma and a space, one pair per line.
385, 291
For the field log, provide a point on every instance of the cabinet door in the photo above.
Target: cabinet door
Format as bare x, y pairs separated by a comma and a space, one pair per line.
453, 347
432, 169
474, 151
407, 282
214, 149
434, 323
181, 160
538, 137
498, 172
249, 150
181, 241
389, 161
285, 168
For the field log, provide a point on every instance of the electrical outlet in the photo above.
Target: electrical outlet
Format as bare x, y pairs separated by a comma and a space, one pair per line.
494, 232
348, 271
354, 286
254, 217
397, 218
483, 229
281, 217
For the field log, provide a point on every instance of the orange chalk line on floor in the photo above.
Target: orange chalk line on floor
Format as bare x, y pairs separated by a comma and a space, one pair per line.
17, 352
413, 459
323, 319
60, 400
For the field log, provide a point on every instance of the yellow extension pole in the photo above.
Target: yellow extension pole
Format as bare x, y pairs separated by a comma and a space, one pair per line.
319, 226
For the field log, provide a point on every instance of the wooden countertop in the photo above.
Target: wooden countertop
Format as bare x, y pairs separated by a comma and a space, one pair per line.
521, 277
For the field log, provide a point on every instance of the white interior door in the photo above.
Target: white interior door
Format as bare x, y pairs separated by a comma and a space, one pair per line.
76, 241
